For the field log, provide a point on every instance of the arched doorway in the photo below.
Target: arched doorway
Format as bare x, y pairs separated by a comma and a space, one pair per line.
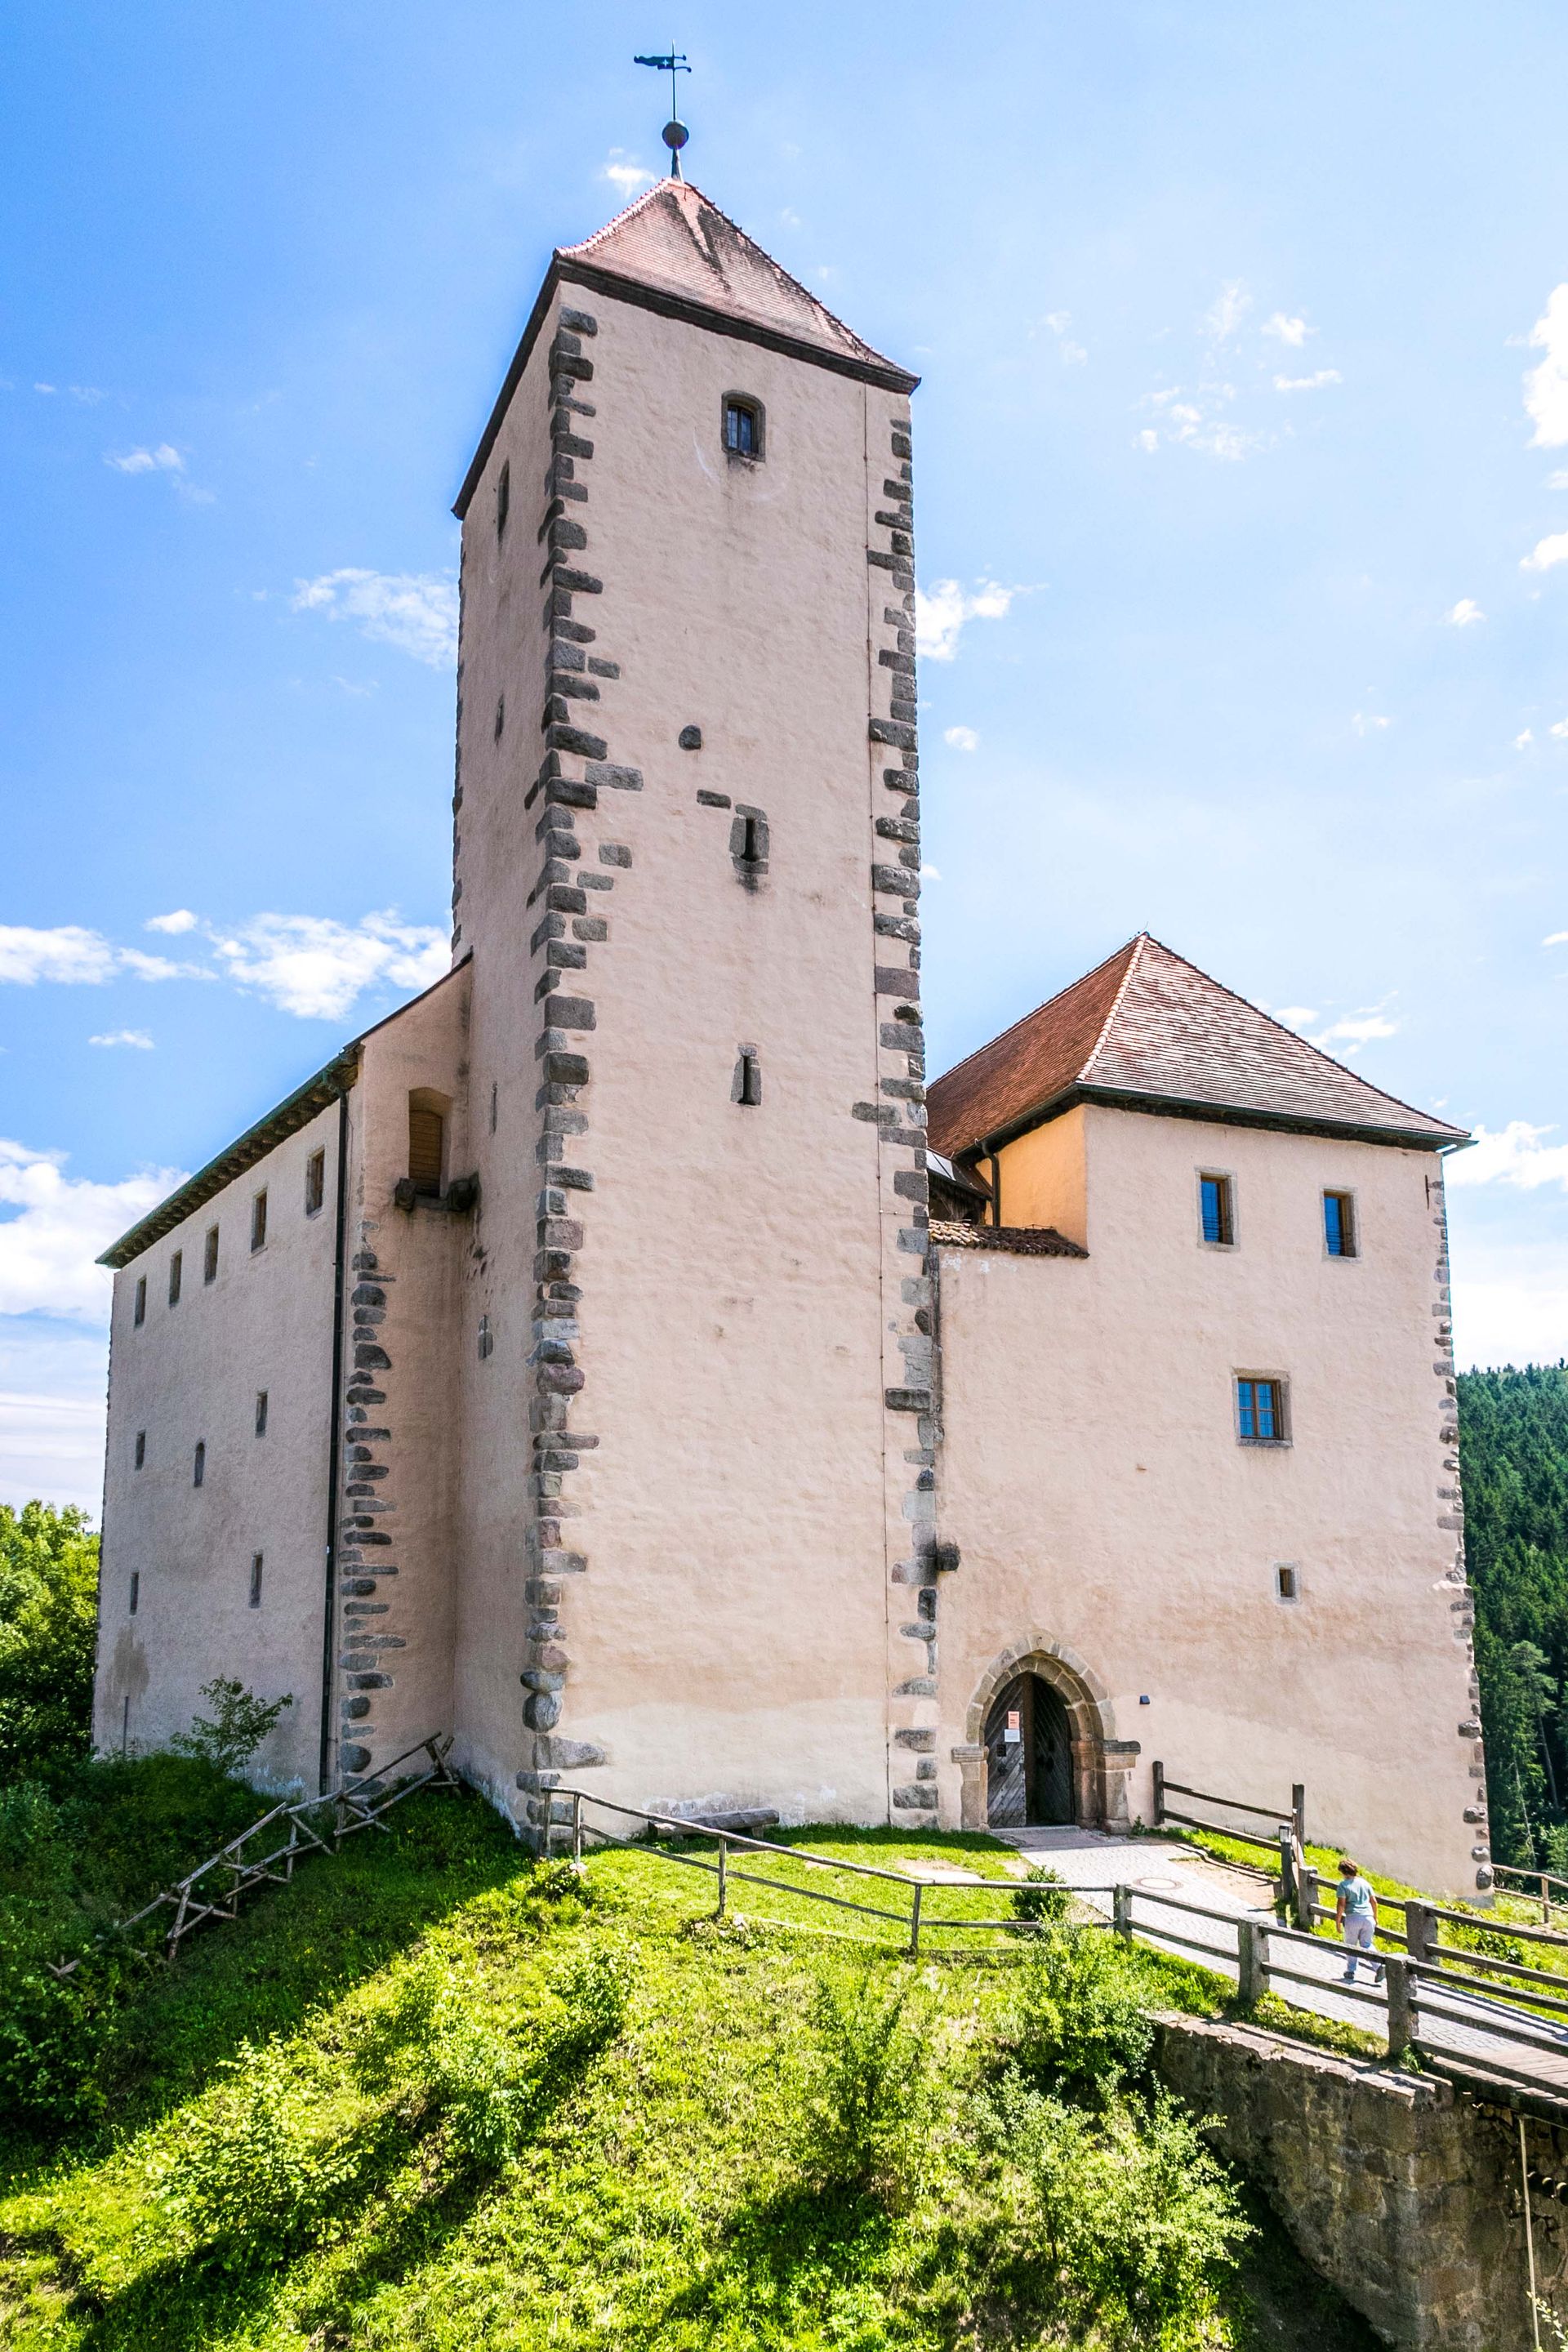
1029, 1757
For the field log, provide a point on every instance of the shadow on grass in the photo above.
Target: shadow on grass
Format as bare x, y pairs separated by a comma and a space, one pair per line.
782, 2258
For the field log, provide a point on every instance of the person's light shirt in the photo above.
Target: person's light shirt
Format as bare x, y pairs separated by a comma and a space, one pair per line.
1355, 1895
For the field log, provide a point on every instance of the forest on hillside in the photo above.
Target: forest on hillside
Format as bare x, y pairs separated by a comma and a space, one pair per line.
1513, 1453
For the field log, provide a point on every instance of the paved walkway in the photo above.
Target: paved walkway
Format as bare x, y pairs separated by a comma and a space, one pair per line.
1450, 2021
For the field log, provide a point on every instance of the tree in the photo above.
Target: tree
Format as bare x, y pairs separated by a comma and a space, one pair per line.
48, 1637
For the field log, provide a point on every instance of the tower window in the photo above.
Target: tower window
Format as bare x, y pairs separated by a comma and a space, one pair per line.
747, 1088
1260, 1413
315, 1182
139, 1312
1286, 1584
1338, 1224
487, 1338
742, 426
1216, 1211
495, 1102
261, 1413
255, 1568
140, 1456
427, 1146
135, 1590
209, 1255
177, 1274
259, 1221
500, 717
503, 500
199, 1471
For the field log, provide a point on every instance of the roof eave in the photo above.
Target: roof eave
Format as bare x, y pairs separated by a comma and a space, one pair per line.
564, 270
1438, 1138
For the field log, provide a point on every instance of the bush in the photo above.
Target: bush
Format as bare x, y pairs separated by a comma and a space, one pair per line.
1078, 2024
868, 2071
236, 1728
1041, 1896
254, 2173
1127, 2211
48, 1637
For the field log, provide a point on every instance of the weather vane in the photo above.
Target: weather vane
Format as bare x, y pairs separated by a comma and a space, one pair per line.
676, 133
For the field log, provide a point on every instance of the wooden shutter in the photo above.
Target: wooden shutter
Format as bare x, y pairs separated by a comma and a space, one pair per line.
424, 1151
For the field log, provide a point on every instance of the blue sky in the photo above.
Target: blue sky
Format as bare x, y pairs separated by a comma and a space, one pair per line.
1243, 481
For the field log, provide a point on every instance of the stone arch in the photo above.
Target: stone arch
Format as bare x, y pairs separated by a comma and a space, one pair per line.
1100, 1761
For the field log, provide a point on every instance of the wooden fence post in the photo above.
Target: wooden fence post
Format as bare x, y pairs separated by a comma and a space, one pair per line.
1306, 1897
1289, 1852
1298, 1811
1159, 1794
577, 1824
724, 1875
915, 1919
1251, 1962
1401, 2004
1121, 1912
1421, 1931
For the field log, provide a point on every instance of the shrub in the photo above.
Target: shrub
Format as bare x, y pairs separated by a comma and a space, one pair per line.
48, 1635
253, 2171
1128, 2210
236, 1728
594, 1990
1042, 1895
1078, 2024
868, 2071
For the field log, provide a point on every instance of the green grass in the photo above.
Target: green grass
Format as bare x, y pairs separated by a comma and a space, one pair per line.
666, 2196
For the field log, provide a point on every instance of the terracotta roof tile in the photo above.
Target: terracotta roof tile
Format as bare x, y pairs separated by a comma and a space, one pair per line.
1013, 1241
1147, 1023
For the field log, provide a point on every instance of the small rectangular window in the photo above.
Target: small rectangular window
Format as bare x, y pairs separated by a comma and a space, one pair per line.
1217, 1211
259, 1221
427, 1137
1286, 1584
315, 1182
199, 1472
255, 1566
742, 427
140, 1454
503, 500
176, 1273
135, 1590
1261, 1412
1338, 1224
139, 1312
261, 1413
209, 1255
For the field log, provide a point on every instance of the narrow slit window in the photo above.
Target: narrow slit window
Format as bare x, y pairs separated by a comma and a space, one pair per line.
209, 1255
199, 1469
259, 1221
139, 1312
1261, 1412
500, 717
495, 1102
1338, 1224
256, 1563
1286, 1586
1217, 1209
503, 500
742, 426
747, 1090
315, 1182
176, 1276
140, 1456
261, 1413
427, 1137
135, 1590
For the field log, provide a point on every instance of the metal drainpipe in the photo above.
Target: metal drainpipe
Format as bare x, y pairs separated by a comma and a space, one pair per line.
334, 1418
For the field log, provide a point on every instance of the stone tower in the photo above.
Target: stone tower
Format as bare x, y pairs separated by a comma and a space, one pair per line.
696, 1507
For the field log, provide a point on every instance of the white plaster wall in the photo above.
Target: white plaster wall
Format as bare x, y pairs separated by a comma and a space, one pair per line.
192, 1371
1091, 1475
730, 1637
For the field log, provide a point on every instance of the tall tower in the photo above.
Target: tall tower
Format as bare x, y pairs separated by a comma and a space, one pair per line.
694, 1554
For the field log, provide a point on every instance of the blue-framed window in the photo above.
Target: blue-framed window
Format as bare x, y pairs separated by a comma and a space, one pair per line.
1216, 1210
1338, 1224
742, 426
1261, 1412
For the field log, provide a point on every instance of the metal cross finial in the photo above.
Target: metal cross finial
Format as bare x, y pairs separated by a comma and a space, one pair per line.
675, 132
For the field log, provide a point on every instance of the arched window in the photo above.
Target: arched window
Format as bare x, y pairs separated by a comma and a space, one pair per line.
427, 1143
742, 426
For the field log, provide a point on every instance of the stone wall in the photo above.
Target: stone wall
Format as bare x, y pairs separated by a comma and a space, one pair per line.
1402, 2192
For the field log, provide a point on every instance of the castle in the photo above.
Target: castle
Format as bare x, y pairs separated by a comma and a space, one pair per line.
619, 1358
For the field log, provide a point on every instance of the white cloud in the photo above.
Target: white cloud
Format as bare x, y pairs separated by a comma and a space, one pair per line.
59, 1225
1148, 439
1293, 332
161, 460
1195, 421
1558, 481
124, 1037
961, 738
1367, 723
1515, 1155
1356, 1029
1072, 354
416, 611
941, 610
1296, 1016
182, 920
1546, 386
1308, 383
930, 873
1465, 614
1555, 939
1559, 731
69, 954
628, 176
1522, 742
1546, 552
1229, 307
314, 967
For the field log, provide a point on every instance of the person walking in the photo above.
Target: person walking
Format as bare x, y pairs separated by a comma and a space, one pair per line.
1355, 1915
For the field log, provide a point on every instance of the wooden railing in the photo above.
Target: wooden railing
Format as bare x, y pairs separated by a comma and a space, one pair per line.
1288, 1820
1542, 1880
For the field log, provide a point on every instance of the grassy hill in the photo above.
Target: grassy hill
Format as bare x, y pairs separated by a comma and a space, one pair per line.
434, 2096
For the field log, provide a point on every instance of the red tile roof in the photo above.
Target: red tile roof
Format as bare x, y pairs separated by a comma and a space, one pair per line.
1013, 1241
1146, 1023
